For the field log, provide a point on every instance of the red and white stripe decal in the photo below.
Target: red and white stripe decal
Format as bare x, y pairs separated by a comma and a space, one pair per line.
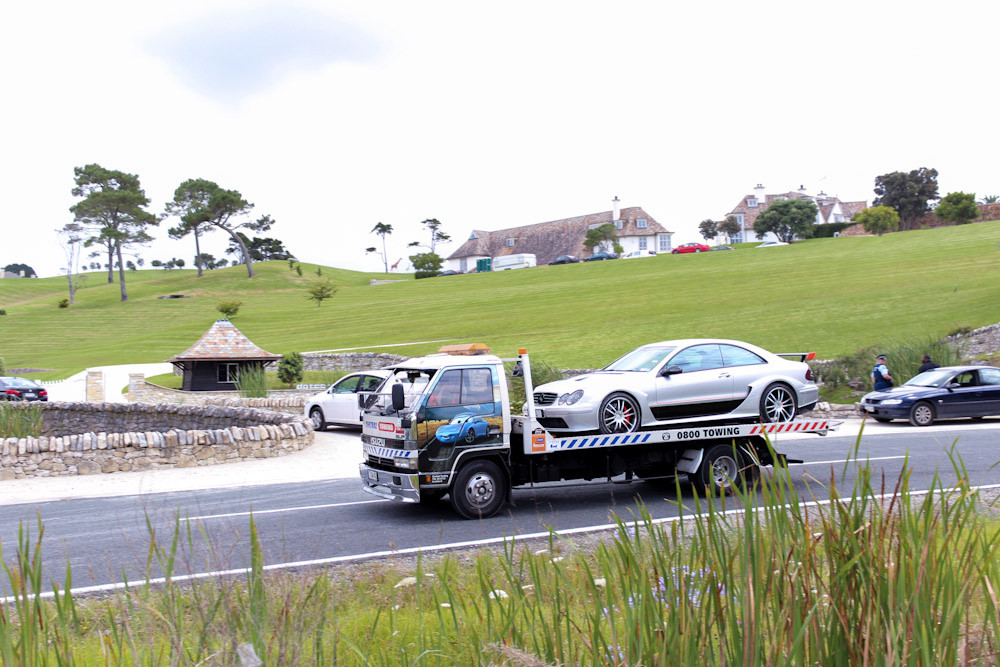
790, 427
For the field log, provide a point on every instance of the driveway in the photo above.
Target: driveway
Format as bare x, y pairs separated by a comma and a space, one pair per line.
73, 388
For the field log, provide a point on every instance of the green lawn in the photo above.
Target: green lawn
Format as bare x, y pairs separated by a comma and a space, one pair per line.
830, 296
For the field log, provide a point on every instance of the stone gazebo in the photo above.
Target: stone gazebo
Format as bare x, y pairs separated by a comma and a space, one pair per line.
215, 361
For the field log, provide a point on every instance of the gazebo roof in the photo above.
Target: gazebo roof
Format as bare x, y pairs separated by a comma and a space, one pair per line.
224, 342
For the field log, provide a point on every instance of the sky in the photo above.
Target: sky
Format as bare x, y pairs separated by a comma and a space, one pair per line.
334, 116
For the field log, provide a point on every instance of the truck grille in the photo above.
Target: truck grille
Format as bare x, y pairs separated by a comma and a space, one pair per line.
544, 398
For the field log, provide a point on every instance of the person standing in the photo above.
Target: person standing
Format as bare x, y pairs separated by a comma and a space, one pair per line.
881, 377
927, 364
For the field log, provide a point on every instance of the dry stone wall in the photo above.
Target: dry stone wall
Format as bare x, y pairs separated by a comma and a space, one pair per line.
290, 401
349, 361
92, 438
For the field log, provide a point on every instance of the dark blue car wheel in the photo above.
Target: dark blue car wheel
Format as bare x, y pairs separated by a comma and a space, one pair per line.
922, 414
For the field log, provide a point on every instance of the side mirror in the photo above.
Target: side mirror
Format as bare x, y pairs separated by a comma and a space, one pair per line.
671, 370
398, 397
952, 385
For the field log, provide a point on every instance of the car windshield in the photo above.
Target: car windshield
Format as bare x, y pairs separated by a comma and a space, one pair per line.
933, 378
641, 360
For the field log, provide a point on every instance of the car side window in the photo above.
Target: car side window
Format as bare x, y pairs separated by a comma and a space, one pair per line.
737, 356
347, 385
370, 383
698, 358
989, 376
966, 379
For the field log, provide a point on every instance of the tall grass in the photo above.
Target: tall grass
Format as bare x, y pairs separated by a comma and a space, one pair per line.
252, 381
873, 576
903, 360
20, 420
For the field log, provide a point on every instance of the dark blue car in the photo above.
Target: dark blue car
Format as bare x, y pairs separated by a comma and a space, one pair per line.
943, 393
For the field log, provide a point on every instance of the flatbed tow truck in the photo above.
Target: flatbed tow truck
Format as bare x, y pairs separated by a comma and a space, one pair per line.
442, 425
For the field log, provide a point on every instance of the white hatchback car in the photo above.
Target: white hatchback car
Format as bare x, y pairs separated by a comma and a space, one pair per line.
338, 405
771, 244
638, 253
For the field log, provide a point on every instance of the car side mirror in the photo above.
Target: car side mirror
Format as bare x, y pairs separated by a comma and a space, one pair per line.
952, 385
398, 397
671, 370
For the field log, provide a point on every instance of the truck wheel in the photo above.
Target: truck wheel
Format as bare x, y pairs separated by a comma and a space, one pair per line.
777, 404
922, 414
721, 468
479, 490
316, 415
619, 414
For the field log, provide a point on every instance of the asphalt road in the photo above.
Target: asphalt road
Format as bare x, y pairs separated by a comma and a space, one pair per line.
107, 540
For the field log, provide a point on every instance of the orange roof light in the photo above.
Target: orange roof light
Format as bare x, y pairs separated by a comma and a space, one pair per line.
466, 349
522, 350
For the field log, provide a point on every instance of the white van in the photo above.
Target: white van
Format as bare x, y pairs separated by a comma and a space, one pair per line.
519, 261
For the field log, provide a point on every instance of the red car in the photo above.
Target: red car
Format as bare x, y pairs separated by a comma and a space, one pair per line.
690, 247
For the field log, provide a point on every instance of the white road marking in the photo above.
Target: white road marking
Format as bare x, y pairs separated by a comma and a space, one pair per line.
283, 509
857, 460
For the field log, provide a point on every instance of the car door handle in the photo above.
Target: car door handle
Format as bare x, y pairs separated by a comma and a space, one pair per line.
724, 375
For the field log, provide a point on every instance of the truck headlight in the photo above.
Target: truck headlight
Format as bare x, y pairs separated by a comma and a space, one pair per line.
405, 462
570, 399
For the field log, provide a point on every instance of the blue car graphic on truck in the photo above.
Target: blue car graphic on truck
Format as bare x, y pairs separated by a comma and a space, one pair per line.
463, 427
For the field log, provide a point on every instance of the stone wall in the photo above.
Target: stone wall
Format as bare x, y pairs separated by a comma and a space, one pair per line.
289, 401
92, 438
349, 361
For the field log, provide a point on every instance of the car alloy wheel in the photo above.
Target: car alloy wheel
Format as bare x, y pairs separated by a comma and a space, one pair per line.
777, 404
922, 414
619, 414
316, 415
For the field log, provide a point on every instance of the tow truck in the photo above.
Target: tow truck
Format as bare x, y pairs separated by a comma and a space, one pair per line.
443, 425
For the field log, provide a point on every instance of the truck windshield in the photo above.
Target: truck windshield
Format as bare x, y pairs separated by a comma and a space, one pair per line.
641, 359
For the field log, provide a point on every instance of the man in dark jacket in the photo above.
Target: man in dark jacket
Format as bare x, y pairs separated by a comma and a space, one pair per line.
928, 364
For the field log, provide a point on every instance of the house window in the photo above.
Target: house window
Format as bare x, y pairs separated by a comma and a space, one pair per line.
664, 243
463, 264
642, 243
618, 224
739, 219
641, 223
510, 243
228, 373
752, 203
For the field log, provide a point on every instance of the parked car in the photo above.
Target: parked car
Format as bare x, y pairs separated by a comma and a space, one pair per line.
464, 427
690, 247
449, 272
722, 247
771, 244
638, 253
942, 393
600, 256
564, 259
680, 382
21, 389
338, 405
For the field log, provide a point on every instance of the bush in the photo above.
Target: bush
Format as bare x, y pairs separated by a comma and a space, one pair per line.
290, 369
229, 309
18, 420
541, 373
64, 303
252, 382
3, 369
903, 361
2, 311
960, 330
828, 230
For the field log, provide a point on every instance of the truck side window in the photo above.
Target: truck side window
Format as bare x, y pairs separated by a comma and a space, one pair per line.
470, 386
448, 390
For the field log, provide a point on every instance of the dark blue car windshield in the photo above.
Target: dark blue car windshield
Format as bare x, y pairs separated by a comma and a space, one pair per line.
934, 378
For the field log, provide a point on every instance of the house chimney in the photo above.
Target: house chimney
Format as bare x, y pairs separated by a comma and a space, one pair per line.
802, 190
614, 210
758, 193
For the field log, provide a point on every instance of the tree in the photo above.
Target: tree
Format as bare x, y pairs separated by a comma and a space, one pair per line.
957, 207
426, 264
260, 249
908, 193
382, 230
290, 368
71, 238
709, 229
208, 261
17, 268
320, 290
878, 219
113, 207
229, 309
437, 236
787, 219
190, 197
602, 238
990, 199
730, 227
221, 209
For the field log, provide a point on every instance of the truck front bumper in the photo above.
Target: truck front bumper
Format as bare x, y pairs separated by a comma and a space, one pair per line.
402, 487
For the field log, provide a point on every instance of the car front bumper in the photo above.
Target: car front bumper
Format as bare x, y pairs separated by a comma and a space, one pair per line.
885, 411
574, 418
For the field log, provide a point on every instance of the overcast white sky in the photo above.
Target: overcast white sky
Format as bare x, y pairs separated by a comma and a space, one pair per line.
334, 116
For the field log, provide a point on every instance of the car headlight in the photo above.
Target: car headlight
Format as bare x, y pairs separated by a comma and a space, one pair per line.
570, 399
892, 401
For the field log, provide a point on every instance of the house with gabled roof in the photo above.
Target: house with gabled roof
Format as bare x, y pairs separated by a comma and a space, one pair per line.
215, 361
636, 230
830, 209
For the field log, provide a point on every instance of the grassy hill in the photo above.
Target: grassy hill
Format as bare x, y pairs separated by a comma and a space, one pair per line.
830, 296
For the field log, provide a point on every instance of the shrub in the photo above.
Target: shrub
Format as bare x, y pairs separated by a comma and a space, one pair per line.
298, 269
903, 361
320, 290
252, 382
19, 420
229, 309
828, 230
64, 303
3, 369
290, 368
541, 373
2, 311
960, 330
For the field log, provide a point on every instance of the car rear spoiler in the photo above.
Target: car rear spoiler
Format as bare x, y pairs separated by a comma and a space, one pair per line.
803, 356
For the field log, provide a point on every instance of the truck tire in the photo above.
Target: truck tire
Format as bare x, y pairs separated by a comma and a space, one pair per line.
316, 415
619, 413
479, 490
777, 403
721, 468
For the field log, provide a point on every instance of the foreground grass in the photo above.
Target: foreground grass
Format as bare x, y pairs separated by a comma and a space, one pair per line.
831, 296
865, 579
